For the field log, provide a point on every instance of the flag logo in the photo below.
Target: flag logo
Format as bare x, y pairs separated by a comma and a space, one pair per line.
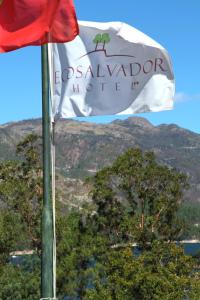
110, 68
100, 40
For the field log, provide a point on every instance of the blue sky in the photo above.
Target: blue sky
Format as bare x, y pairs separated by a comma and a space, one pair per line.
174, 24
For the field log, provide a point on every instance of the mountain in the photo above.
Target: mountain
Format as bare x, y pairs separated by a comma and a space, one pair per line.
83, 148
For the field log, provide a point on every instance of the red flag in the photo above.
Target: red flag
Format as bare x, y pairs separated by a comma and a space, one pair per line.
36, 22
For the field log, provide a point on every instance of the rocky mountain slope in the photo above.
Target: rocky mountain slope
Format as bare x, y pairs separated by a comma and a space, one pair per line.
83, 148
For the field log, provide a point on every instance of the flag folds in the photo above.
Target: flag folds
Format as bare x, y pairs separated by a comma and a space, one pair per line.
110, 68
36, 22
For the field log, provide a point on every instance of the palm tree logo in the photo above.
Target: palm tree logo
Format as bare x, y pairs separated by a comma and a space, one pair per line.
102, 39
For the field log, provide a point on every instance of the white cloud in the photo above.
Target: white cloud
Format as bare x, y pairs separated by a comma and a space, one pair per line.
184, 97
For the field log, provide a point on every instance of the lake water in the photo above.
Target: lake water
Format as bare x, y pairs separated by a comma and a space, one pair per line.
191, 249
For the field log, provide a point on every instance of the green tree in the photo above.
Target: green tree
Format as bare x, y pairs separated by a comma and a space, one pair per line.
101, 38
190, 214
20, 196
134, 200
78, 252
21, 190
95, 249
105, 39
18, 284
97, 40
137, 199
162, 272
9, 234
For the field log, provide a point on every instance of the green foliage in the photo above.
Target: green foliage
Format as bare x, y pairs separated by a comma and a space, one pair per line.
162, 272
9, 234
19, 285
96, 254
102, 38
138, 192
105, 38
190, 214
78, 250
20, 196
21, 190
97, 39
134, 200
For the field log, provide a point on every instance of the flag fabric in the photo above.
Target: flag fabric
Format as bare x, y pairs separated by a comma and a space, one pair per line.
36, 22
110, 68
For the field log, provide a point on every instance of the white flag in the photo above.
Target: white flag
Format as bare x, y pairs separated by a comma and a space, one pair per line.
110, 68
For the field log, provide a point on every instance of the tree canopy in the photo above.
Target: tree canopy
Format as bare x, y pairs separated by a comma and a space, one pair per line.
138, 192
101, 38
134, 201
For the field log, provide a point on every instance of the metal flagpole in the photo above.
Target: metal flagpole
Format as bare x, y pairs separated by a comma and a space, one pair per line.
47, 282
